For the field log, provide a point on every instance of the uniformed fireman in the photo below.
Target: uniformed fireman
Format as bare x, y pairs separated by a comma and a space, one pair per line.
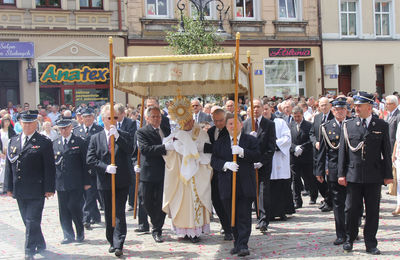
30, 177
364, 165
72, 178
327, 163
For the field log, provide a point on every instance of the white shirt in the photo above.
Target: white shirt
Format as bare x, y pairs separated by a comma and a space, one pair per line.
368, 120
87, 129
23, 137
238, 138
108, 135
68, 138
119, 124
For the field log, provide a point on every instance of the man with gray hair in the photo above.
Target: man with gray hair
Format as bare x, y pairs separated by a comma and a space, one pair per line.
393, 118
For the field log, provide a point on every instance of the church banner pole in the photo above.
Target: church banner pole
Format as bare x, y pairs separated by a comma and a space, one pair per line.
112, 141
253, 125
137, 175
235, 128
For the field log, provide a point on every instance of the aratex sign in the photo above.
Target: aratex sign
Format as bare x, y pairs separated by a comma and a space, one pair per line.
17, 50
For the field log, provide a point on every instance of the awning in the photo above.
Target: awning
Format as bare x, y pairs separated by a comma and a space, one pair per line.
190, 74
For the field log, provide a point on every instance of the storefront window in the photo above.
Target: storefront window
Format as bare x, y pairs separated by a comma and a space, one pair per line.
244, 9
48, 3
157, 8
91, 3
280, 77
7, 2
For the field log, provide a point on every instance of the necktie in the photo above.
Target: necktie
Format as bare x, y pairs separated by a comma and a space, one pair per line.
109, 143
119, 125
289, 119
340, 125
216, 134
256, 125
298, 127
160, 133
324, 118
26, 141
364, 123
65, 143
87, 130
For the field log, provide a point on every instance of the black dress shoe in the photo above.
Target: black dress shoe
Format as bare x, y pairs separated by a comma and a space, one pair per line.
87, 226
283, 218
95, 221
264, 228
118, 252
111, 249
141, 230
29, 257
258, 226
157, 238
373, 251
312, 202
228, 236
80, 238
243, 252
67, 241
322, 205
195, 239
339, 241
234, 251
326, 208
347, 247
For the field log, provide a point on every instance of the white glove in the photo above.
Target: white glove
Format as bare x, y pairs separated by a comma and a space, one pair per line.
111, 169
200, 147
169, 146
114, 132
253, 133
231, 166
298, 151
236, 149
137, 168
257, 165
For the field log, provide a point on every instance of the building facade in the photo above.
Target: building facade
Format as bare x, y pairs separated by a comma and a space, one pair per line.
57, 52
283, 37
361, 40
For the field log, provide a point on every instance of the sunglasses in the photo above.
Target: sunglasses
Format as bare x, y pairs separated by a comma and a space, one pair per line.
115, 118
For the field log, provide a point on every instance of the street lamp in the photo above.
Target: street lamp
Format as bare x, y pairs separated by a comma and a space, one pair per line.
201, 8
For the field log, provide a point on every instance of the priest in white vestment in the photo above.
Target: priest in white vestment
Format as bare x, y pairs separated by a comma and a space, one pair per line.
187, 183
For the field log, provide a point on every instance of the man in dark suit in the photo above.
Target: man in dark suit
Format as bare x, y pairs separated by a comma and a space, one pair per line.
364, 165
266, 138
221, 161
29, 178
99, 158
393, 118
198, 115
91, 213
72, 178
301, 157
214, 133
152, 168
127, 125
323, 117
327, 162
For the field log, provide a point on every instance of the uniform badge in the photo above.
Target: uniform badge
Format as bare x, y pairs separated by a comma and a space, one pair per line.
93, 129
358, 124
334, 124
329, 132
58, 153
72, 141
33, 140
333, 133
80, 130
59, 142
373, 123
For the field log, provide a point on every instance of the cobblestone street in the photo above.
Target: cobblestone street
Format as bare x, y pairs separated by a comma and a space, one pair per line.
307, 234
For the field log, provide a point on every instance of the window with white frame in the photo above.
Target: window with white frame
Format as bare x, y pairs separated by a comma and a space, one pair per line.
348, 18
382, 18
289, 9
157, 8
208, 11
244, 9
280, 77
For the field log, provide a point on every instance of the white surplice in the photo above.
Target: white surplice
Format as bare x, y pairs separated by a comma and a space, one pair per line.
281, 159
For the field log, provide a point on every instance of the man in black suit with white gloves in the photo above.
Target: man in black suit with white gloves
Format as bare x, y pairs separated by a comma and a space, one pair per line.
99, 157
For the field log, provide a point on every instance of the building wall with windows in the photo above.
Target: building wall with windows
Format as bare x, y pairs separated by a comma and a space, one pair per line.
360, 42
69, 34
282, 36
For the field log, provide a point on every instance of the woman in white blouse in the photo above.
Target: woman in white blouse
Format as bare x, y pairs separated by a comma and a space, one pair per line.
49, 131
396, 162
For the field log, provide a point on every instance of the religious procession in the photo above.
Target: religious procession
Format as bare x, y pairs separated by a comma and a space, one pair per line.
189, 162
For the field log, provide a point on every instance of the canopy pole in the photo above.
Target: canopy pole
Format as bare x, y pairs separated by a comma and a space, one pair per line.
137, 175
235, 128
112, 141
253, 126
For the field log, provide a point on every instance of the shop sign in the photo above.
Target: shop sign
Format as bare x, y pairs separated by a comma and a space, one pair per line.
289, 52
85, 74
91, 95
17, 50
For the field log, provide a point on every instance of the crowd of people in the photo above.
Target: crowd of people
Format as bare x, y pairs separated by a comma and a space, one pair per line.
341, 148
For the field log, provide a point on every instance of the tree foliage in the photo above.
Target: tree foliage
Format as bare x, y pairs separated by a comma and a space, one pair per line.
199, 38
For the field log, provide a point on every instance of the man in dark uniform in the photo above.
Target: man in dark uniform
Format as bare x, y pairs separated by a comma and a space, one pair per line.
72, 178
152, 168
99, 158
364, 165
30, 177
221, 160
315, 135
266, 137
329, 152
215, 132
91, 213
